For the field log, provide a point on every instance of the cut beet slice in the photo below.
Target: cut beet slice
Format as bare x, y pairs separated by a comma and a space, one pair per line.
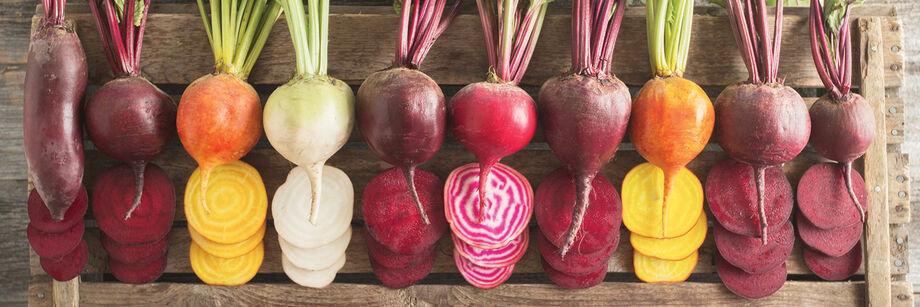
751, 286
392, 217
574, 263
749, 253
732, 197
482, 277
67, 267
832, 242
506, 212
312, 278
397, 278
823, 197
555, 203
494, 258
390, 259
575, 281
40, 216
54, 245
134, 253
834, 268
138, 273
112, 198
316, 258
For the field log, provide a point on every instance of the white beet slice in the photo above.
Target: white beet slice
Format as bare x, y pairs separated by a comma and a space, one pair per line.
316, 258
311, 278
291, 208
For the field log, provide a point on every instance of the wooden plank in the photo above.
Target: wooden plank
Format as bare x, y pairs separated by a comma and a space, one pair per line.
894, 120
40, 293
900, 263
66, 293
878, 255
898, 188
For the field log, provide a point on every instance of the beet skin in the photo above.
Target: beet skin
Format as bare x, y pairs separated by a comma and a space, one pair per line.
40, 217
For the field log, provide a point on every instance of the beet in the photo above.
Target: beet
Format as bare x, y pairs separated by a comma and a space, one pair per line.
823, 198
574, 264
387, 258
832, 242
731, 194
394, 221
68, 266
834, 268
749, 253
751, 286
112, 199
40, 217
138, 273
134, 253
554, 205
567, 281
54, 245
397, 278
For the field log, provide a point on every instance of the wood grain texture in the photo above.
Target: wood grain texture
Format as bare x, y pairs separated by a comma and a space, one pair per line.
66, 293
898, 189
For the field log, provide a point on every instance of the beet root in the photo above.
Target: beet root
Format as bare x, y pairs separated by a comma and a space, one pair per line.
387, 258
749, 253
112, 199
138, 273
834, 268
751, 286
54, 245
134, 253
574, 264
394, 221
567, 281
397, 278
730, 192
824, 199
832, 242
40, 216
555, 206
68, 266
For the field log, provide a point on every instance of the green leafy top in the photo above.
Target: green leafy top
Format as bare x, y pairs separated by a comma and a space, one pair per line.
310, 35
510, 39
831, 45
237, 31
669, 23
138, 11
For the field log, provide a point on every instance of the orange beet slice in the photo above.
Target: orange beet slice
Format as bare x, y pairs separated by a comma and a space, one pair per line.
68, 266
823, 198
134, 253
231, 250
652, 270
834, 268
54, 245
40, 216
575, 281
749, 253
219, 271
138, 273
236, 200
732, 197
674, 248
643, 193
832, 242
751, 286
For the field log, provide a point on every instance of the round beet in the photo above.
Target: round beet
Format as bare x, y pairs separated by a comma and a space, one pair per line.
555, 204
397, 278
138, 273
393, 220
732, 196
567, 281
40, 216
134, 253
834, 268
749, 253
54, 245
575, 263
68, 266
751, 286
387, 258
823, 197
112, 198
832, 242
842, 130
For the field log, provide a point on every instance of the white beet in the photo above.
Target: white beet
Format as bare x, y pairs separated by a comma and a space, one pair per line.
291, 208
311, 278
319, 257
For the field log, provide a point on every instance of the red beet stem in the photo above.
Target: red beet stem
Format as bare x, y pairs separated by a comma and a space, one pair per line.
759, 171
582, 191
409, 173
847, 171
669, 175
138, 168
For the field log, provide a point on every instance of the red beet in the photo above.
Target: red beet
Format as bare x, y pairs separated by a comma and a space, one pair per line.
40, 216
834, 268
67, 267
730, 192
832, 242
555, 200
387, 258
567, 281
393, 220
134, 253
749, 253
574, 264
751, 286
397, 278
112, 199
54, 245
138, 273
823, 197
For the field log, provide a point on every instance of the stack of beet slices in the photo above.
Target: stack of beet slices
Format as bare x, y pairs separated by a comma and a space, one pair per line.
136, 242
400, 245
828, 221
585, 264
750, 266
59, 244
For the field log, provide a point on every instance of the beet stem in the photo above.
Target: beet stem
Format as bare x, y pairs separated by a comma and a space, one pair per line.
315, 172
138, 168
582, 191
669, 175
205, 175
409, 173
484, 170
759, 171
847, 174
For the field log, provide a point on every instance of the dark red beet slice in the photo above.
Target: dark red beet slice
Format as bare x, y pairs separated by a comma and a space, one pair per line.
555, 202
823, 197
834, 268
749, 253
138, 273
112, 198
751, 286
575, 281
574, 263
40, 216
732, 197
392, 217
390, 259
54, 245
832, 242
397, 278
134, 253
67, 267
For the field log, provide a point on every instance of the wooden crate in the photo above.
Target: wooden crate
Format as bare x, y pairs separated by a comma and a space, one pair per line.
362, 40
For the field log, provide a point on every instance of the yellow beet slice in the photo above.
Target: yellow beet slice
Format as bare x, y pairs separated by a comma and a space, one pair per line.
227, 250
219, 271
643, 191
672, 249
653, 270
236, 199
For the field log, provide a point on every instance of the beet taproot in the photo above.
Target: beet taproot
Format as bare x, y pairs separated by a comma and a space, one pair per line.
555, 205
68, 266
574, 263
398, 278
40, 217
732, 196
54, 245
387, 258
749, 253
748, 285
834, 268
134, 253
138, 273
832, 242
392, 218
113, 195
823, 198
567, 281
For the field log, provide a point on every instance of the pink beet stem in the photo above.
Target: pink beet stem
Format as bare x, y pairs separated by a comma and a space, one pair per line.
138, 168
409, 173
759, 171
847, 174
484, 169
582, 192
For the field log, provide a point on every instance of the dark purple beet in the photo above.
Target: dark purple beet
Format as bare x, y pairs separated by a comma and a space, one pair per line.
730, 191
749, 253
387, 258
397, 278
567, 281
151, 220
53, 245
834, 268
51, 128
402, 113
553, 203
68, 266
390, 218
40, 216
131, 120
832, 242
751, 286
574, 263
134, 253
584, 120
138, 273
823, 196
